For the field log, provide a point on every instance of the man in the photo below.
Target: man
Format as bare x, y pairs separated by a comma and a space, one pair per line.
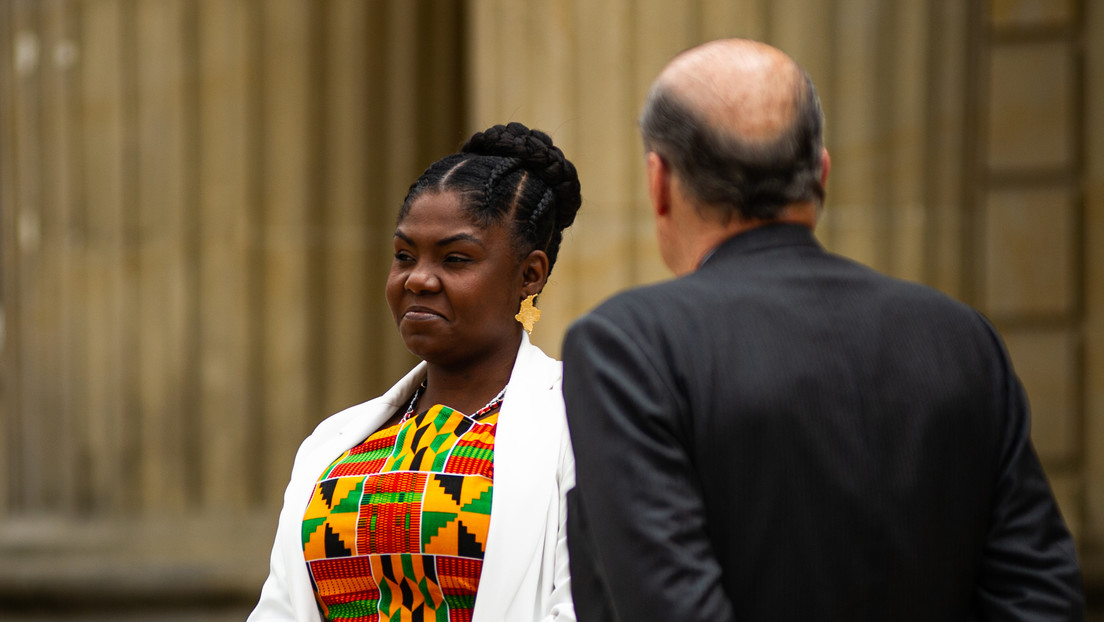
780, 433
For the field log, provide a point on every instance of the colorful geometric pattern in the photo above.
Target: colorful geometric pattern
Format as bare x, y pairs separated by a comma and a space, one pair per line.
456, 515
396, 528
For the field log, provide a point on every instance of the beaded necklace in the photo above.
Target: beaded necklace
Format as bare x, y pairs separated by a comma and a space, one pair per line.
495, 402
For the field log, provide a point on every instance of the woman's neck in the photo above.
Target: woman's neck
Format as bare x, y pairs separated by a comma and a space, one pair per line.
468, 387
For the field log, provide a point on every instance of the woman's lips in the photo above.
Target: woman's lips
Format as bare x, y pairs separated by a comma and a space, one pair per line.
421, 314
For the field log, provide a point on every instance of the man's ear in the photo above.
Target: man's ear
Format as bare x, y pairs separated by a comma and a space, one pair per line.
825, 166
659, 184
534, 273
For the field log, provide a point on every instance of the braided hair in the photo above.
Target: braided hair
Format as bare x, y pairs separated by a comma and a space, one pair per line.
509, 172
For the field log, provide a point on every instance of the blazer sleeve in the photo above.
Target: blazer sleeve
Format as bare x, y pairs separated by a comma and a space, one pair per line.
561, 607
640, 533
1029, 568
275, 601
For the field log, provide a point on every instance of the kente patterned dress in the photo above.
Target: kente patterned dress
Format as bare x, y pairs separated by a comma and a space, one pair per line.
397, 526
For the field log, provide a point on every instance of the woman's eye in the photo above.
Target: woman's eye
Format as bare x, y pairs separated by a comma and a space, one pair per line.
403, 256
457, 259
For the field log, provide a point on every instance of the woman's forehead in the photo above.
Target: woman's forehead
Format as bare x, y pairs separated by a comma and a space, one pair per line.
443, 216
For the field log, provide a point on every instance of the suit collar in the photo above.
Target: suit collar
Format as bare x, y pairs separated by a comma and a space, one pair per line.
761, 238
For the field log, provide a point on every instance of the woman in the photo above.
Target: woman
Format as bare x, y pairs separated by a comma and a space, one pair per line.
444, 498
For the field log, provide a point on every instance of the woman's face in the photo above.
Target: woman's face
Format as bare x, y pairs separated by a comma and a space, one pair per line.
454, 287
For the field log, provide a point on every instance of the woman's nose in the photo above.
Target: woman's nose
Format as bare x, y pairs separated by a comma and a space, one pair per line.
422, 279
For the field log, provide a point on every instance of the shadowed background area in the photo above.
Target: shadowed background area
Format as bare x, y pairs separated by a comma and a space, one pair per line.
197, 199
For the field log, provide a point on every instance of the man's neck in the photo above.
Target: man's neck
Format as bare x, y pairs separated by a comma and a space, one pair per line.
712, 234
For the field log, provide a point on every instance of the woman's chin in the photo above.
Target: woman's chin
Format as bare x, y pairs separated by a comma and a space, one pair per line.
425, 347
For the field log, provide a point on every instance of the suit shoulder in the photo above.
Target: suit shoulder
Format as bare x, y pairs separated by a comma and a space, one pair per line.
646, 304
657, 299
908, 304
928, 299
891, 288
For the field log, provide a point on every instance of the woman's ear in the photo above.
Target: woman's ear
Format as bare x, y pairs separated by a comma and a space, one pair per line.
534, 273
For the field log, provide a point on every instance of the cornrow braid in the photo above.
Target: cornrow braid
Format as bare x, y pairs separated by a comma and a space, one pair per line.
504, 168
539, 210
512, 175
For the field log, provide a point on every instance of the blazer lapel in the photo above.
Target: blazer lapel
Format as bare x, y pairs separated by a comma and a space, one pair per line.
355, 424
526, 455
360, 422
525, 461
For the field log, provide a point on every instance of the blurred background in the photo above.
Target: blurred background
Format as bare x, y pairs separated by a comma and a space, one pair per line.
197, 199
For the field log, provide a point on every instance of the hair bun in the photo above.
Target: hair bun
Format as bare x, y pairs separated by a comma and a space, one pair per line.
536, 154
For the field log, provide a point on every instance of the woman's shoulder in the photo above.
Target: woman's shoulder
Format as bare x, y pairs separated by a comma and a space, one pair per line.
536, 389
372, 409
334, 424
342, 418
535, 366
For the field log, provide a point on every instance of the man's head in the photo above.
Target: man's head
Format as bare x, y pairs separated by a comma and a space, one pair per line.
734, 130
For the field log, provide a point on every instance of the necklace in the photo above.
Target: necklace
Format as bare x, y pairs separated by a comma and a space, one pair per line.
413, 401
495, 402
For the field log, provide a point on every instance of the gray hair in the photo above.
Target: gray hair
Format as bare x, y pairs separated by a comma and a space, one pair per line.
731, 175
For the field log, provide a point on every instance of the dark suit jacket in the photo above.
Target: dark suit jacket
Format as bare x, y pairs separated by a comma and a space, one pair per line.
785, 434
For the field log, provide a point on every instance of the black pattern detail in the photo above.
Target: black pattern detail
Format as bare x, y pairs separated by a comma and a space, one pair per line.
452, 484
327, 489
335, 547
466, 544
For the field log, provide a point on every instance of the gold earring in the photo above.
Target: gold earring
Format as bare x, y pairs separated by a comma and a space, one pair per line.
528, 315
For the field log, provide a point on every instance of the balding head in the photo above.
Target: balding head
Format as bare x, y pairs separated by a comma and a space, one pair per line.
745, 88
739, 121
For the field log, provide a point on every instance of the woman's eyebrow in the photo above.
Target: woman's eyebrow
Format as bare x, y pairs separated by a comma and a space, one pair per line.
459, 237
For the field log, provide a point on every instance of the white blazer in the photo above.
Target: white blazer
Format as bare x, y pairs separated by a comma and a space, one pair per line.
525, 573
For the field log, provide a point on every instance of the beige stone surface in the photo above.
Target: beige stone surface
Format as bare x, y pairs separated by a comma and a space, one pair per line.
1029, 253
1093, 442
211, 187
1068, 491
1024, 13
125, 566
1031, 106
1045, 362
